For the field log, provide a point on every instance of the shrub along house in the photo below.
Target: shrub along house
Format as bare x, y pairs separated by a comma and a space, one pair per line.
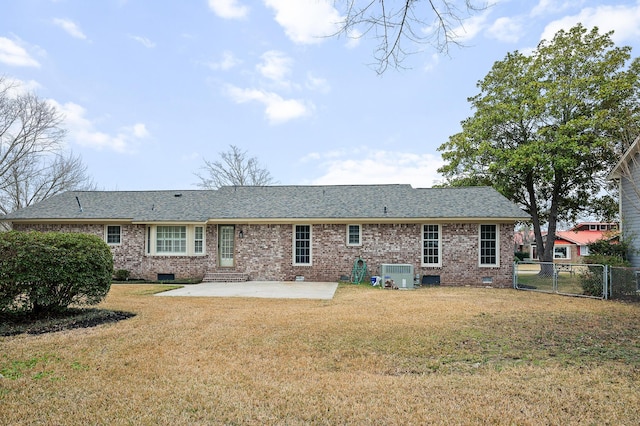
457, 236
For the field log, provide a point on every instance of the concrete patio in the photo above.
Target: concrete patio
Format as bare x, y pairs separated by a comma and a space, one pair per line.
261, 289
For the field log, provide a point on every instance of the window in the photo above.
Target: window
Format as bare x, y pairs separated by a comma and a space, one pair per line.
431, 245
181, 240
354, 235
488, 245
198, 240
561, 252
171, 239
302, 245
113, 234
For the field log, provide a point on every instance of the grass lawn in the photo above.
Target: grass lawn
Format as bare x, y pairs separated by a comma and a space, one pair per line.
369, 356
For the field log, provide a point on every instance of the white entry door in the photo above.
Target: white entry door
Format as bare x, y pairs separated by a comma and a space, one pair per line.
226, 235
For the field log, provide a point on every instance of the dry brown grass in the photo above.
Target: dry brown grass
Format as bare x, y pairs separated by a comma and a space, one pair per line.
369, 356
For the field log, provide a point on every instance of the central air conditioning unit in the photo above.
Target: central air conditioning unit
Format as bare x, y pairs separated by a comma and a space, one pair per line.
400, 274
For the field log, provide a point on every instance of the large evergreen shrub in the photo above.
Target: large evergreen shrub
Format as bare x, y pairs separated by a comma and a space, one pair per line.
43, 272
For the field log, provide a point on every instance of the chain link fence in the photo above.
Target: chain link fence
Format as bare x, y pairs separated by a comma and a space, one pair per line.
624, 283
573, 279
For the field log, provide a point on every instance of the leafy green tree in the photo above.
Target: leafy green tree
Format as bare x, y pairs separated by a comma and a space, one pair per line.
548, 127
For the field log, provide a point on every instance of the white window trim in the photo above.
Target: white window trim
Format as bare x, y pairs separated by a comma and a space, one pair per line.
106, 235
568, 249
359, 243
150, 243
293, 244
202, 239
489, 265
431, 265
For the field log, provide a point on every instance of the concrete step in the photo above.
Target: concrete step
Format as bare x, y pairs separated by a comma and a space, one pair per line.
225, 277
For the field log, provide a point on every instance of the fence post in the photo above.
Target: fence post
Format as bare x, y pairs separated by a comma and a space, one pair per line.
605, 283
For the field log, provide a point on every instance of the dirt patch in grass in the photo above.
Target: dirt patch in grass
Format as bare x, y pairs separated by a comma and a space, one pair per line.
26, 323
14, 324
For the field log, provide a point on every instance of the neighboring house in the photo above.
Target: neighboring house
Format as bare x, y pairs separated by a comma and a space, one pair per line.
573, 245
627, 174
522, 241
464, 236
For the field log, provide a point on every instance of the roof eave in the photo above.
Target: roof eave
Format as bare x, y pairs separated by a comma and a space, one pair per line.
632, 150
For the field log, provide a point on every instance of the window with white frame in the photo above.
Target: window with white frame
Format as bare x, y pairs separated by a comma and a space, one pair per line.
431, 251
561, 252
489, 245
182, 240
171, 239
354, 235
198, 240
302, 245
113, 234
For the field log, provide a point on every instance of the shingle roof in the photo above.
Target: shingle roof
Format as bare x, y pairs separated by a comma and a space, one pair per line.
276, 202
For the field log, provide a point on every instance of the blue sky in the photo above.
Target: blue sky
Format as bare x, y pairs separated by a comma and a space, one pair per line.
150, 88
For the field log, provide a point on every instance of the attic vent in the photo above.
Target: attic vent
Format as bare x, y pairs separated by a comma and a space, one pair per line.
177, 195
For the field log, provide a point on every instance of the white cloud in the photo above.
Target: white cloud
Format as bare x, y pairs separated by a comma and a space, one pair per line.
275, 66
15, 87
622, 19
228, 9
70, 27
433, 62
139, 130
306, 21
354, 37
189, 158
317, 84
144, 41
277, 109
508, 30
11, 53
470, 28
83, 132
227, 62
546, 7
363, 165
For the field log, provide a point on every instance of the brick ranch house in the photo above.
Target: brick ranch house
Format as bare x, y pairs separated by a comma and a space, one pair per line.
464, 236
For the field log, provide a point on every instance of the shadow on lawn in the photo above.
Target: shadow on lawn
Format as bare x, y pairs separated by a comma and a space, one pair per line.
27, 323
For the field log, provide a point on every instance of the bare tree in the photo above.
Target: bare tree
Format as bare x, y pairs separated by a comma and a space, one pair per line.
396, 24
31, 181
33, 165
235, 168
28, 126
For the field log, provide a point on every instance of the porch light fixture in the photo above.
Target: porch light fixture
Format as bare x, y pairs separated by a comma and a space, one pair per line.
241, 234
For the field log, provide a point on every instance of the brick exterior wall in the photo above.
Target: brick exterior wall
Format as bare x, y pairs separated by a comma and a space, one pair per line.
266, 252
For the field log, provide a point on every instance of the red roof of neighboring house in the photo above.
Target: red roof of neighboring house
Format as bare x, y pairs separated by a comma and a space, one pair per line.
581, 238
584, 233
